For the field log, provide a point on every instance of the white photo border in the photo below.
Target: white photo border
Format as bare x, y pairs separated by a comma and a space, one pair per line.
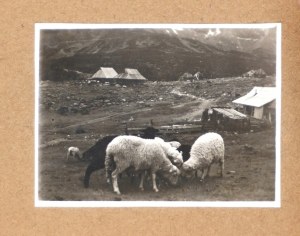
230, 204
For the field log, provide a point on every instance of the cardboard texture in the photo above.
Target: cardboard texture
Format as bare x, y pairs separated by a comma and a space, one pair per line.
18, 216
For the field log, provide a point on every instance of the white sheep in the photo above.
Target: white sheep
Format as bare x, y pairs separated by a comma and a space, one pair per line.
171, 151
74, 152
141, 155
175, 144
206, 150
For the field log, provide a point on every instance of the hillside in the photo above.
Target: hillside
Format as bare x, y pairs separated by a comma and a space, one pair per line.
159, 54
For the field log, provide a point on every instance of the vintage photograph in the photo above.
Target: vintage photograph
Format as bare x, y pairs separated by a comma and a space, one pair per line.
157, 115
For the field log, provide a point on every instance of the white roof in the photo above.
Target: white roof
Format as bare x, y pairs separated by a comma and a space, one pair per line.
257, 97
105, 72
125, 76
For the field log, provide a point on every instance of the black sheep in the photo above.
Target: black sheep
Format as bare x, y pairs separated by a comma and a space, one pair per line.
97, 155
185, 149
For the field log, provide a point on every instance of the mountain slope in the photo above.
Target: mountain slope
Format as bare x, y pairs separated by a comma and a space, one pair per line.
159, 54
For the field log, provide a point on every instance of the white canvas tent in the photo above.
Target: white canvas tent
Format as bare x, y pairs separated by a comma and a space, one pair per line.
134, 74
105, 73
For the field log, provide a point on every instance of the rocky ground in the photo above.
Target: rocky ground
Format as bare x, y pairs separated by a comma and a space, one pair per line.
78, 113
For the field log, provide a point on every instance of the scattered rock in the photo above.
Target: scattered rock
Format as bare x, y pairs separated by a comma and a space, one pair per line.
79, 130
248, 147
74, 110
260, 73
84, 111
63, 110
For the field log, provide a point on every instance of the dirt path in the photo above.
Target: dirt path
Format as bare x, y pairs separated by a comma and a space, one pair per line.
203, 104
92, 121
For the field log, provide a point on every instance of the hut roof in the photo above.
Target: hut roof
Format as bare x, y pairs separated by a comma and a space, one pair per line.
230, 113
257, 97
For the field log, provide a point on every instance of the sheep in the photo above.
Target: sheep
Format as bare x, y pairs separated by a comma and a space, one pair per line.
74, 152
206, 150
175, 144
172, 153
96, 153
141, 155
183, 148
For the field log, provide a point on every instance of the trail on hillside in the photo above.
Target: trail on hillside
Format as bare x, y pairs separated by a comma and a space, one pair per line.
92, 121
196, 113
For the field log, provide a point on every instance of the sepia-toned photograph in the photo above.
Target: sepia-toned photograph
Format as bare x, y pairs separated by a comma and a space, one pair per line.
156, 115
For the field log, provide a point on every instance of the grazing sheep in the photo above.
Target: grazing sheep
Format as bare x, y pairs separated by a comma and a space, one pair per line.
74, 152
96, 153
141, 155
206, 150
175, 144
172, 153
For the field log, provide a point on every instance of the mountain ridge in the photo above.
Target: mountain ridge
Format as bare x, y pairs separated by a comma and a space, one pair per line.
159, 54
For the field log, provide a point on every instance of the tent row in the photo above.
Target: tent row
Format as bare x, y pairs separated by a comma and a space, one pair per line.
108, 73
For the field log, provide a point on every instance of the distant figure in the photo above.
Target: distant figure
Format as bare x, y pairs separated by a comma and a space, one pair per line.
204, 117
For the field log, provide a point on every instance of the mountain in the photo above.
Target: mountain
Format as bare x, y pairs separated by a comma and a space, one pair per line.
159, 54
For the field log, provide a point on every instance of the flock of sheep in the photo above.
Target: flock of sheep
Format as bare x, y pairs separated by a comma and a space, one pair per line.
150, 155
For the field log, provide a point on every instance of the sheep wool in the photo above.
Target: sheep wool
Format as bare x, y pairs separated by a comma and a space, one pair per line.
141, 154
206, 150
171, 151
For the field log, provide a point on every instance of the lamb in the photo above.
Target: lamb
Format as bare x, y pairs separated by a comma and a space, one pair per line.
141, 155
74, 152
206, 150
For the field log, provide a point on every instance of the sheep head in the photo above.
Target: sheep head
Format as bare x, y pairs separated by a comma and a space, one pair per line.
171, 175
